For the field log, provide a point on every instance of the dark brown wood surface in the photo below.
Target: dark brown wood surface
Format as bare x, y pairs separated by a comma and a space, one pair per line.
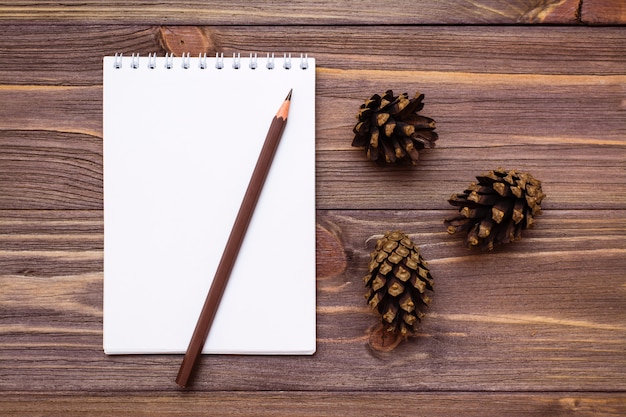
536, 328
398, 12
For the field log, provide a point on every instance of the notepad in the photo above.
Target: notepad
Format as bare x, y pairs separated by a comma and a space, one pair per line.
181, 138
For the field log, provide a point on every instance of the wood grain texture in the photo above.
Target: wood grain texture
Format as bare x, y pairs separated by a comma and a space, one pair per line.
603, 12
220, 12
526, 95
74, 57
315, 404
534, 328
527, 317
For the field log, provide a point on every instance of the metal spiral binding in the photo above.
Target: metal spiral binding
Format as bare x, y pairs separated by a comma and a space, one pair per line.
270, 63
186, 59
134, 63
219, 60
253, 61
169, 60
236, 61
304, 61
202, 61
117, 63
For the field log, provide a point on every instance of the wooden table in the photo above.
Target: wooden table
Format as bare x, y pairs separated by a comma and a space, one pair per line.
536, 328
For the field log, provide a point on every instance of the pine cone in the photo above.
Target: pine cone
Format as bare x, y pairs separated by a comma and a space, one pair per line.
397, 280
497, 209
391, 130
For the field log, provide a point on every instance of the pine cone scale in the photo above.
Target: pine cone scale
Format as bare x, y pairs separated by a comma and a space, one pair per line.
484, 228
407, 304
418, 284
374, 135
378, 282
396, 288
518, 211
405, 129
382, 118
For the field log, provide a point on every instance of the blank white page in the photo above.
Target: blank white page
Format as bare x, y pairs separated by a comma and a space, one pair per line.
180, 145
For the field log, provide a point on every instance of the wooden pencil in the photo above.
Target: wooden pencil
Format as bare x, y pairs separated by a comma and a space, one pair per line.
233, 244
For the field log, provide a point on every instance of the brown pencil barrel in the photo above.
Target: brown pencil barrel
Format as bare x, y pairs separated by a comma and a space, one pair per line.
233, 244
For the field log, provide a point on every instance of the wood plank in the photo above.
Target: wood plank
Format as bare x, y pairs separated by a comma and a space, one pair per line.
526, 317
316, 404
486, 111
72, 55
484, 122
603, 12
570, 183
43, 169
55, 170
49, 243
220, 12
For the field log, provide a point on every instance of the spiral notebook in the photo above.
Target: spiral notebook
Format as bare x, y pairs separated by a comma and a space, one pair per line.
181, 139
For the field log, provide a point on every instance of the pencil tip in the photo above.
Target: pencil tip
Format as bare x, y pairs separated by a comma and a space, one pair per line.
289, 95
